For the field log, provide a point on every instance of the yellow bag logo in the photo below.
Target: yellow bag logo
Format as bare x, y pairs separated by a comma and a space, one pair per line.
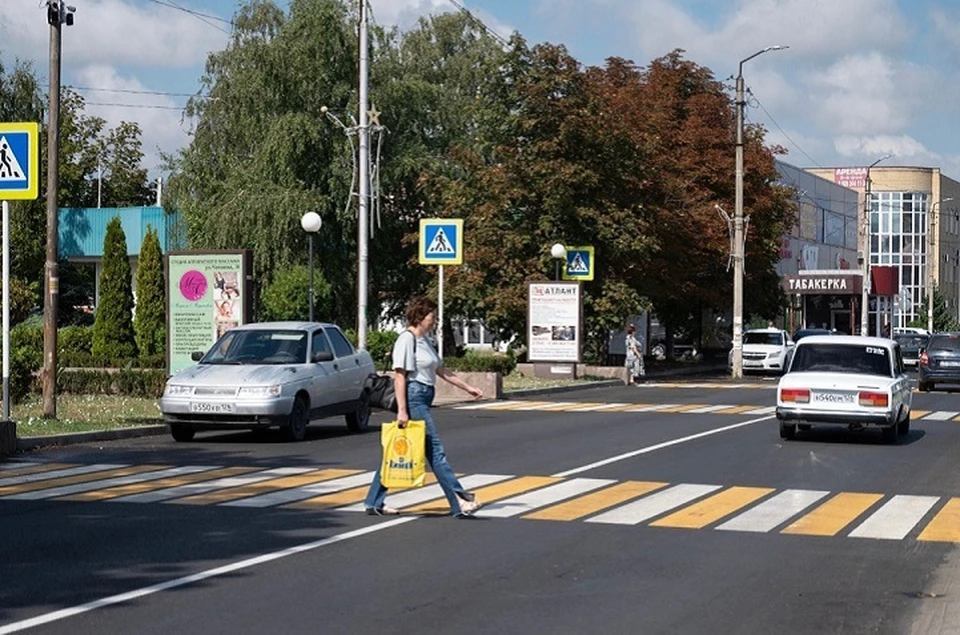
400, 446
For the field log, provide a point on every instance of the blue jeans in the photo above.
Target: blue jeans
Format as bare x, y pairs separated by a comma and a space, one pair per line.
419, 400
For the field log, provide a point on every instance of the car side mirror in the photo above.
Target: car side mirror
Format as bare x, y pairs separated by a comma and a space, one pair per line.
197, 355
322, 356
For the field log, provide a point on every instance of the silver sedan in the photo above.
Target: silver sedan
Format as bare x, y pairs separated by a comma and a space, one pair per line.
271, 374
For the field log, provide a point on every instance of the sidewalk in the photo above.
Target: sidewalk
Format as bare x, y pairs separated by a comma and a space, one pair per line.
33, 443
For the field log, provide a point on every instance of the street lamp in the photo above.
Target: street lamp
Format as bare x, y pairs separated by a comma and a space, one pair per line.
931, 236
738, 223
559, 253
311, 224
864, 291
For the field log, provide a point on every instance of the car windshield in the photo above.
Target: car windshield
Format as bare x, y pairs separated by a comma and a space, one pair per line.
944, 343
259, 346
911, 341
752, 337
842, 358
805, 332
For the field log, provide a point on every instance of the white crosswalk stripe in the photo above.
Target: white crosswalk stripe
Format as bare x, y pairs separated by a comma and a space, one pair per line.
412, 497
941, 415
896, 518
774, 511
209, 486
73, 471
539, 498
292, 495
90, 486
654, 504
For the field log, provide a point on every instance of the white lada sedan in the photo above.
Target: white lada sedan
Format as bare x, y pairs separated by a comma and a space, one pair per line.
845, 380
282, 374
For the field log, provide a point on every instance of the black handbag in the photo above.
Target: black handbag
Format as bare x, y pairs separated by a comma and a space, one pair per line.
380, 392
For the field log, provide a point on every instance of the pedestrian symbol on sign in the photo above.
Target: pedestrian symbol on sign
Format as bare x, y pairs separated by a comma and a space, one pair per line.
440, 244
10, 169
577, 265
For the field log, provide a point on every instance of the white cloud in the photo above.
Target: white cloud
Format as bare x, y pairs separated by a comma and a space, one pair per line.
904, 148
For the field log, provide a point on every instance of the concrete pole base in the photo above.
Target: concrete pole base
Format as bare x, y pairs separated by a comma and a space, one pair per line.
8, 438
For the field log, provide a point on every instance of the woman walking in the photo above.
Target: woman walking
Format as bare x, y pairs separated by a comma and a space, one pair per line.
416, 367
634, 361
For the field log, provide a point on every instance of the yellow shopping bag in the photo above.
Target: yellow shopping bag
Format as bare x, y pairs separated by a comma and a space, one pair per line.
404, 454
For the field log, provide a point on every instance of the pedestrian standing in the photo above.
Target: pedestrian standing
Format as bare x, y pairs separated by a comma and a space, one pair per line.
416, 366
634, 361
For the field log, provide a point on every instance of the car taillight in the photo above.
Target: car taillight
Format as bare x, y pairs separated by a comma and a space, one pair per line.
876, 399
796, 395
924, 360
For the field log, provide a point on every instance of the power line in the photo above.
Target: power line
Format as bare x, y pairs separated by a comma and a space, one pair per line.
481, 24
119, 105
203, 17
782, 131
130, 91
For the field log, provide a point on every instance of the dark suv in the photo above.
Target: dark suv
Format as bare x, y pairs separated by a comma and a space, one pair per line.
940, 361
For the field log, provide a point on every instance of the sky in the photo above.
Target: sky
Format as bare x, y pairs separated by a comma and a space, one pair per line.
861, 78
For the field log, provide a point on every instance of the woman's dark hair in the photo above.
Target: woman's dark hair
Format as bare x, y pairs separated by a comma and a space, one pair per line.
630, 329
419, 308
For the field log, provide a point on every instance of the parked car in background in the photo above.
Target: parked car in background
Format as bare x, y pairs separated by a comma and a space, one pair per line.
272, 374
799, 334
845, 380
911, 345
765, 350
940, 361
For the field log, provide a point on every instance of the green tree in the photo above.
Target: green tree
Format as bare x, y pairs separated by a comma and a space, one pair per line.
113, 335
150, 319
287, 296
943, 318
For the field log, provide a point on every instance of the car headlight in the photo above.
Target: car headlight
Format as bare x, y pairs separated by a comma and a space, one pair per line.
259, 391
775, 354
177, 390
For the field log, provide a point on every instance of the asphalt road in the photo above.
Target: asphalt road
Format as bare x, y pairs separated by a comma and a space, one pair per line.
666, 508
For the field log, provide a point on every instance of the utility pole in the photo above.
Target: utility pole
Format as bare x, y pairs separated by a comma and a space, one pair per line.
738, 246
57, 15
363, 232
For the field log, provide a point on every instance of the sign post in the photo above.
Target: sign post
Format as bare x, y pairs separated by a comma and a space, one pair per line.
19, 160
441, 243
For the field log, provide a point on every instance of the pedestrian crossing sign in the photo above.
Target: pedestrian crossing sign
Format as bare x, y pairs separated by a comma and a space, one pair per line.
579, 264
19, 161
441, 241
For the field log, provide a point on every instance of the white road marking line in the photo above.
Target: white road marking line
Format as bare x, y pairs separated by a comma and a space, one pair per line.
941, 415
106, 483
653, 407
429, 493
760, 411
653, 504
538, 405
774, 511
594, 408
539, 498
658, 446
197, 577
477, 406
17, 465
304, 492
711, 408
208, 486
72, 471
896, 518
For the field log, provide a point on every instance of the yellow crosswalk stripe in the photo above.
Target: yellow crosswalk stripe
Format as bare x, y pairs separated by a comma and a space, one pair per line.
596, 501
79, 478
570, 406
831, 517
36, 469
625, 407
684, 407
734, 410
917, 414
341, 499
488, 494
510, 405
714, 508
262, 487
945, 526
162, 483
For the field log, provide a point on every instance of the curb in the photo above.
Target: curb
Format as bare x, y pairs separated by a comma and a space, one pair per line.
33, 443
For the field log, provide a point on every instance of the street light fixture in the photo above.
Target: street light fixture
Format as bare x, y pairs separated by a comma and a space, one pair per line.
559, 253
311, 222
738, 223
931, 237
865, 289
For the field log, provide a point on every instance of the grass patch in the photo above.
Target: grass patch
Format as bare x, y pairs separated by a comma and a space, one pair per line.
84, 413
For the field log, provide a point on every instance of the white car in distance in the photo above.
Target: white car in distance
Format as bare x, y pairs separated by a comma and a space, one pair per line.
765, 351
848, 381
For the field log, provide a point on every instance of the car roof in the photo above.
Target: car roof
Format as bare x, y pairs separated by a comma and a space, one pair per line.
289, 325
857, 340
766, 329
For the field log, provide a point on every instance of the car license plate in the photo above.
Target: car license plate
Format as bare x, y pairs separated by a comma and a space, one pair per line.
211, 408
750, 362
833, 397
949, 364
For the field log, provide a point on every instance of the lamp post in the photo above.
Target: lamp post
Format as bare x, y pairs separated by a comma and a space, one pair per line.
865, 291
311, 224
738, 223
931, 244
559, 253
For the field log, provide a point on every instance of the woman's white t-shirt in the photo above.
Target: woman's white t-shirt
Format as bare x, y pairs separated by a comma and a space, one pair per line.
420, 361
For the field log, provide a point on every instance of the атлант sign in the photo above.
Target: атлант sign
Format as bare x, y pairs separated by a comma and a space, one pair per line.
554, 321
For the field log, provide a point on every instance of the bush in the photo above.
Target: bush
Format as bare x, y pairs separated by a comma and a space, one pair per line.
113, 323
480, 362
150, 320
287, 297
26, 358
135, 383
74, 343
380, 346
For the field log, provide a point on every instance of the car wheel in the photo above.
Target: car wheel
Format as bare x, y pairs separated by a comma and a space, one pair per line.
788, 431
182, 432
890, 434
903, 428
296, 429
359, 419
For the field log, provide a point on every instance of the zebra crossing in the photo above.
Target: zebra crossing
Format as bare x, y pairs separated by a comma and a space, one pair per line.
598, 501
673, 408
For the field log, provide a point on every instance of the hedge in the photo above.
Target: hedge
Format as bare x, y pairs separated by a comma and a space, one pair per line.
146, 383
480, 362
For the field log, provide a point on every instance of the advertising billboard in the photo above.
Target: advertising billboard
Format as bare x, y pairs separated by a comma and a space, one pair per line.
554, 322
